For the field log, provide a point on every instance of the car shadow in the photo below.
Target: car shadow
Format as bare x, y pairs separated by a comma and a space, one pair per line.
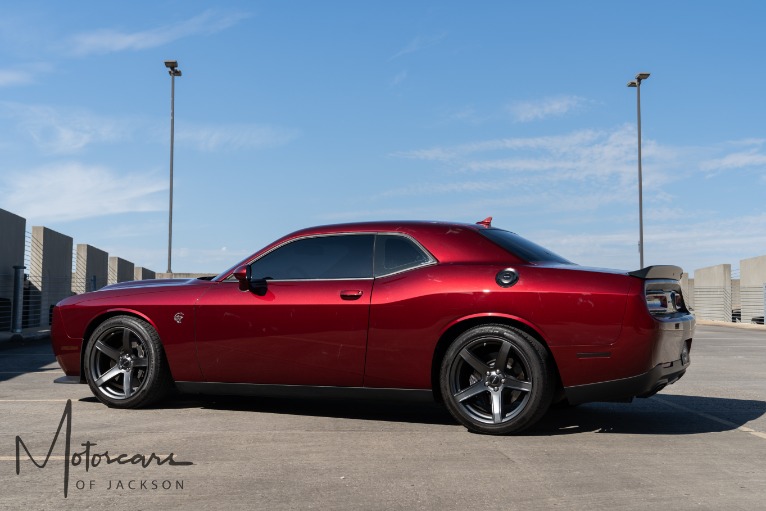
660, 415
418, 411
19, 358
663, 414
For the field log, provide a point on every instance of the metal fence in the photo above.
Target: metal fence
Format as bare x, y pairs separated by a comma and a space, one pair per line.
752, 299
36, 297
713, 303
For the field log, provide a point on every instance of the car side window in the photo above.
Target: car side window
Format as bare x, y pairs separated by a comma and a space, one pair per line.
318, 258
395, 253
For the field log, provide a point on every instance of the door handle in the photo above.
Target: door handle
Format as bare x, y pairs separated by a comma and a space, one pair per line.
351, 294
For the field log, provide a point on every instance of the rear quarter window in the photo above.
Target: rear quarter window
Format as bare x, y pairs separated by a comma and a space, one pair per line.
522, 247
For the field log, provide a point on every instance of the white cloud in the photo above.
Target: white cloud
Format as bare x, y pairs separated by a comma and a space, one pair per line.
578, 174
399, 78
22, 75
11, 77
71, 191
207, 137
689, 244
69, 131
418, 44
576, 156
62, 130
525, 111
738, 160
103, 41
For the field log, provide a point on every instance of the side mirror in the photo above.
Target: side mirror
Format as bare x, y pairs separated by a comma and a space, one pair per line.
242, 274
246, 282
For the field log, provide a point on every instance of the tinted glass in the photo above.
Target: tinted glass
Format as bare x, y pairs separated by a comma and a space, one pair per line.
522, 248
397, 253
324, 257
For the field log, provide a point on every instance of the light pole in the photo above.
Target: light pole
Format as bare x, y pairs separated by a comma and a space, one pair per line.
637, 84
173, 71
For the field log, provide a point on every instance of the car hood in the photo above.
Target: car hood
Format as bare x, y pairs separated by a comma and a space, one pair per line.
151, 283
137, 287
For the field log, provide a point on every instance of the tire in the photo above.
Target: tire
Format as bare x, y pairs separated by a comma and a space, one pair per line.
125, 364
497, 401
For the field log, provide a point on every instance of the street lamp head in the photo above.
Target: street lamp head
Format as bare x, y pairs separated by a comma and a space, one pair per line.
642, 76
172, 66
632, 83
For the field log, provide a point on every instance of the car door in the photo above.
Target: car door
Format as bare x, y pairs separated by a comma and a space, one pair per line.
309, 326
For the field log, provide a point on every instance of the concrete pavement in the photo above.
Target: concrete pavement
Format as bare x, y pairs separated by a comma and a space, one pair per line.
699, 444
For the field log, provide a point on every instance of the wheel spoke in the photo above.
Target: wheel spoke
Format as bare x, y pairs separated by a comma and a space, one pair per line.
111, 373
497, 406
514, 384
107, 350
502, 356
127, 383
476, 388
473, 361
125, 340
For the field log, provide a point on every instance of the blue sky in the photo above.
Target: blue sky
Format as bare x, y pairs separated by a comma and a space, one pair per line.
291, 114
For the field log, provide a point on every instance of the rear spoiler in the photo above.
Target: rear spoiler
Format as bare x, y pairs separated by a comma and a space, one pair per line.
658, 272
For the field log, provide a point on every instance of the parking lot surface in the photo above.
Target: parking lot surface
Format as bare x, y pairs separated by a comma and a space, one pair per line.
699, 444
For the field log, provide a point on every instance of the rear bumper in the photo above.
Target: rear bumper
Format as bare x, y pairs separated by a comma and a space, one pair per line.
643, 385
671, 345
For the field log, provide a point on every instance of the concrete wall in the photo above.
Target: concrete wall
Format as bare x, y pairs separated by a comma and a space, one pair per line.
687, 288
49, 275
12, 228
120, 270
752, 277
141, 273
50, 272
712, 292
90, 262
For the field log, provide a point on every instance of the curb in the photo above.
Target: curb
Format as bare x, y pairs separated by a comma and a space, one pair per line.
742, 326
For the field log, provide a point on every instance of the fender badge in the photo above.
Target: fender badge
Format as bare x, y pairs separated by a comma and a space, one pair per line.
179, 317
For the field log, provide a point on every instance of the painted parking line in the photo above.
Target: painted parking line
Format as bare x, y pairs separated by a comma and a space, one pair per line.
33, 400
40, 457
713, 418
35, 371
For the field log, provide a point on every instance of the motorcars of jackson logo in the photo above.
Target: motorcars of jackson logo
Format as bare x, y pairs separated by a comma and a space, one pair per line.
91, 457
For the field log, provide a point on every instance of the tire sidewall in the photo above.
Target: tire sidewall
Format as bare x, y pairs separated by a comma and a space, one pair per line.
540, 374
154, 356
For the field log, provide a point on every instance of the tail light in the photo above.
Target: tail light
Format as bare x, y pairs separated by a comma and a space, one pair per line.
664, 297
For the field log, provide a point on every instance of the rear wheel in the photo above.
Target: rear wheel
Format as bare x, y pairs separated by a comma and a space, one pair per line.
125, 364
497, 380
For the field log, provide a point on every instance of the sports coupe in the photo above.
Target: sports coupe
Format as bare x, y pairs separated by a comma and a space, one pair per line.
494, 326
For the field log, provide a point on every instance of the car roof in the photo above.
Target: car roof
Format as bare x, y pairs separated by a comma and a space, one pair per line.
448, 242
411, 226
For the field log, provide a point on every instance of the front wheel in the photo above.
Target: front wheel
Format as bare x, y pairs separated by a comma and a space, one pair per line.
497, 380
125, 364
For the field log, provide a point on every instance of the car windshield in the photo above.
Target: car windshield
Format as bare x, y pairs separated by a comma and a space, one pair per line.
522, 248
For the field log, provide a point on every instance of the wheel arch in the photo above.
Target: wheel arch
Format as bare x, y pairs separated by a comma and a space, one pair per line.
98, 321
456, 328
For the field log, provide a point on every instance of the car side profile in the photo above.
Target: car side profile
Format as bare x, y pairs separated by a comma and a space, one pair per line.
494, 326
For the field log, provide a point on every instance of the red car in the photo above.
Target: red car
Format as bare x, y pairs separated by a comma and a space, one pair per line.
495, 326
